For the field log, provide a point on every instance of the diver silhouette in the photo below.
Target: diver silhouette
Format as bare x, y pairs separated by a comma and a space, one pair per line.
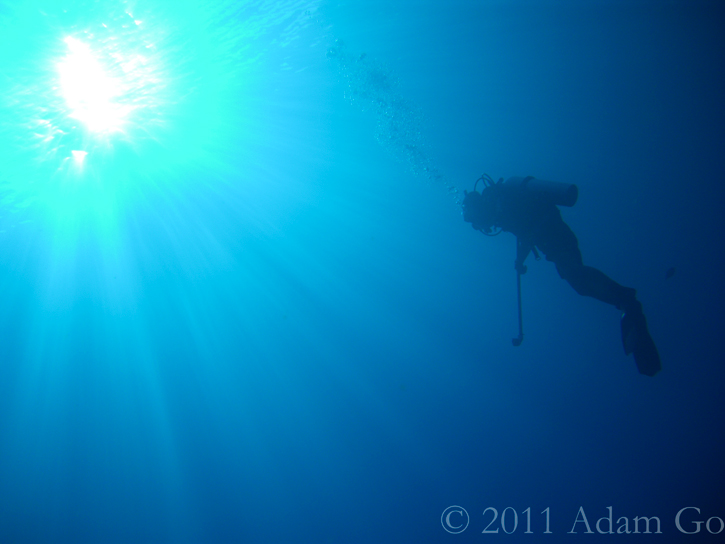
527, 208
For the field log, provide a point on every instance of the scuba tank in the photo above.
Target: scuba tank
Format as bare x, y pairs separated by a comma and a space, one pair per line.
479, 209
561, 194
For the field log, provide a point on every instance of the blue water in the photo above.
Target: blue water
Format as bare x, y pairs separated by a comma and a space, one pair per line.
247, 309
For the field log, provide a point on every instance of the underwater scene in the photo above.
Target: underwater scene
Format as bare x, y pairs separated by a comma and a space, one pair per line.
320, 271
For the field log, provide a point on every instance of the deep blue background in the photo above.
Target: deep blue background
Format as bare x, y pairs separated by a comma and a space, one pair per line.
316, 348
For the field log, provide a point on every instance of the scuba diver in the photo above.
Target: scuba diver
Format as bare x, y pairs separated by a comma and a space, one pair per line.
527, 208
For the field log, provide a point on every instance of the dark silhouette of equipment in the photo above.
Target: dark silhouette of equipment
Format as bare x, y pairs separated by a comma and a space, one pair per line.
528, 208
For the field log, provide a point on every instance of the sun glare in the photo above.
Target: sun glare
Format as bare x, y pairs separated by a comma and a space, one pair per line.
92, 96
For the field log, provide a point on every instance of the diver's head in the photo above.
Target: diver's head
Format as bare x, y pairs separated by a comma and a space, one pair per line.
478, 210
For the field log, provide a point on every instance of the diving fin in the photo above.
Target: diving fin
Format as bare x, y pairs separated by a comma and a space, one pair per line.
637, 340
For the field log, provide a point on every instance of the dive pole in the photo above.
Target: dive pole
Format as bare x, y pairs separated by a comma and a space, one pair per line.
517, 341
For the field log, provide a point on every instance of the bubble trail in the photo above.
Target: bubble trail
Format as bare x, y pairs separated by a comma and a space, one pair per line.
373, 86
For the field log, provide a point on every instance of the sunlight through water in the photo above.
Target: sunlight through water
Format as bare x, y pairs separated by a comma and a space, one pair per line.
91, 94
104, 100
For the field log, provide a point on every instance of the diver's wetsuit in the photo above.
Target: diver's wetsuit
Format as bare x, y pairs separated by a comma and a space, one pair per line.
537, 223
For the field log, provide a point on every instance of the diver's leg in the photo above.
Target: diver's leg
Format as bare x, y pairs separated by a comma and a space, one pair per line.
562, 248
590, 282
636, 339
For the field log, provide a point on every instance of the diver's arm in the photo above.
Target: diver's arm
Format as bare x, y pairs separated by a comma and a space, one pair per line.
523, 248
